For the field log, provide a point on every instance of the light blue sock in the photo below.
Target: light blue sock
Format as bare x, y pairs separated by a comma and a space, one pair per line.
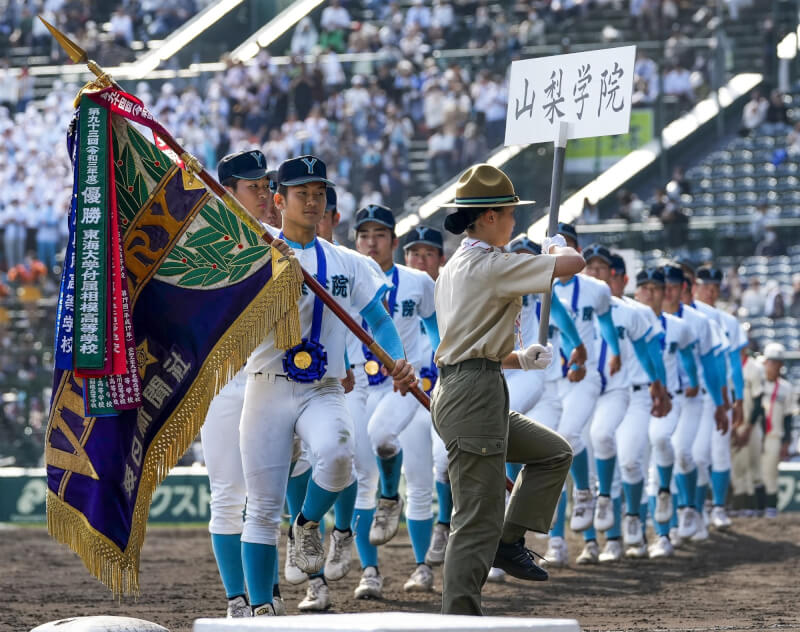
367, 553
633, 496
420, 532
390, 469
673, 522
296, 490
561, 517
580, 469
616, 530
590, 534
700, 497
605, 474
317, 502
664, 476
276, 589
513, 470
344, 507
258, 561
643, 507
719, 486
228, 551
683, 489
661, 528
444, 495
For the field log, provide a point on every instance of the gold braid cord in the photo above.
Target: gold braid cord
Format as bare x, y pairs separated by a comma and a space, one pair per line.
274, 309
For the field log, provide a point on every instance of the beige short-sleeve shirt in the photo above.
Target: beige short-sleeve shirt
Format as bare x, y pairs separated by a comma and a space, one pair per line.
478, 298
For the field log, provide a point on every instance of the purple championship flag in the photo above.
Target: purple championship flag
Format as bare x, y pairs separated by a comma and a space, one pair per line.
201, 292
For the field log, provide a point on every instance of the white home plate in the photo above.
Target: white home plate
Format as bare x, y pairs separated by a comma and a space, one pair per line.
100, 624
388, 622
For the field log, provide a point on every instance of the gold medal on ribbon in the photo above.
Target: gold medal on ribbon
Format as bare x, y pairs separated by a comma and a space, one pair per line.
372, 368
427, 384
302, 360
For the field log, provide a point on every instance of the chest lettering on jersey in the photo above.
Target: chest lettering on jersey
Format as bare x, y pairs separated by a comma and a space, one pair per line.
409, 305
339, 285
673, 347
621, 333
587, 312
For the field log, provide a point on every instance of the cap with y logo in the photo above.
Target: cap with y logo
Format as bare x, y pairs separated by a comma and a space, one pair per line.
650, 275
673, 273
375, 213
597, 251
424, 235
303, 170
522, 243
709, 274
331, 200
245, 165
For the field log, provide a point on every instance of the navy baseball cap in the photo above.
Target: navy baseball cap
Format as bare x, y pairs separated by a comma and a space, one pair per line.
673, 273
650, 275
273, 180
523, 243
424, 235
568, 230
375, 213
597, 250
245, 165
330, 203
617, 265
302, 170
709, 274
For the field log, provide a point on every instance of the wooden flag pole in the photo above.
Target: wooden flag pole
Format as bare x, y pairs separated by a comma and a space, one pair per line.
78, 55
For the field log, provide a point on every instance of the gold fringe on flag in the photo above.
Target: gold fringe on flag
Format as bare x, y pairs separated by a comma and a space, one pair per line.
274, 309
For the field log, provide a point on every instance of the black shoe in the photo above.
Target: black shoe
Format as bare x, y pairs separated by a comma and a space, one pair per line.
518, 562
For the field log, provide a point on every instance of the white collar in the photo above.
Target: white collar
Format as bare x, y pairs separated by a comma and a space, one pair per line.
469, 242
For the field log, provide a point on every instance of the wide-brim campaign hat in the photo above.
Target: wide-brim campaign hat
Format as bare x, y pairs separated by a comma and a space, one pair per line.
483, 186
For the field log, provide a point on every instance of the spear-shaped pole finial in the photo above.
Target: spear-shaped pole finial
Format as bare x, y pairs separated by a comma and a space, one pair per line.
77, 54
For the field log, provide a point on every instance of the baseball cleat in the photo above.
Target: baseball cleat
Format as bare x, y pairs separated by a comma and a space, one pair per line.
661, 548
687, 522
386, 521
637, 551
719, 518
612, 552
317, 596
279, 605
589, 555
702, 532
557, 553
291, 573
517, 561
436, 551
582, 510
309, 553
675, 538
340, 555
603, 514
663, 511
238, 608
632, 530
370, 586
421, 579
264, 610
496, 575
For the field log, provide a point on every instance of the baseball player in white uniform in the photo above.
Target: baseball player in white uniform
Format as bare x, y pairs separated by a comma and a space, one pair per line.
648, 398
676, 346
401, 439
298, 390
245, 176
749, 494
589, 303
632, 328
424, 251
706, 292
692, 441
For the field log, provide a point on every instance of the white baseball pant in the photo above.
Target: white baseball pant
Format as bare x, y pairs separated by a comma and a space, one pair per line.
686, 431
547, 410
608, 415
660, 434
710, 448
274, 410
632, 437
220, 440
579, 401
524, 389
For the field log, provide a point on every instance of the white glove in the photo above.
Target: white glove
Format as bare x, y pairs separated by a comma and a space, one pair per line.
555, 240
535, 357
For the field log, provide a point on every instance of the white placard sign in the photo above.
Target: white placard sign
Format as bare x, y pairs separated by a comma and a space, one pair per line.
591, 91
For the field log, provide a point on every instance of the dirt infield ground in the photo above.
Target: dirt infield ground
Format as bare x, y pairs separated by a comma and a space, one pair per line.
746, 579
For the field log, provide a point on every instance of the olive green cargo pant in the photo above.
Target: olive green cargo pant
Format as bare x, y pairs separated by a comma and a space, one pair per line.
470, 413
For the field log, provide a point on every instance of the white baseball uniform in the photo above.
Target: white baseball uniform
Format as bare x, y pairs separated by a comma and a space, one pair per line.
276, 407
525, 387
